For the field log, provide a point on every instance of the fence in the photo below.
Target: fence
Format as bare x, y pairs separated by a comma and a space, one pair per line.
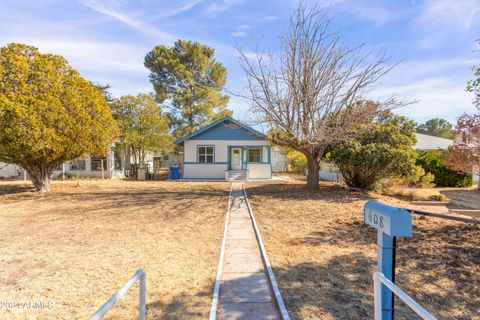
378, 279
140, 274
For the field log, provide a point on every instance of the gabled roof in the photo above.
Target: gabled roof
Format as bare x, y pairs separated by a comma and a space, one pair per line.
218, 122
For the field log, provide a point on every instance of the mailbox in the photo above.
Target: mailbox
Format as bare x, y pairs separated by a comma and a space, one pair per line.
390, 222
393, 221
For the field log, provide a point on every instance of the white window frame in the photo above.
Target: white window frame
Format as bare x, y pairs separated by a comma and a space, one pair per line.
206, 154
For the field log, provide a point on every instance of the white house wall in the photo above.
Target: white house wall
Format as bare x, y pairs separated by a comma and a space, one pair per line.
204, 171
221, 148
10, 170
259, 171
216, 170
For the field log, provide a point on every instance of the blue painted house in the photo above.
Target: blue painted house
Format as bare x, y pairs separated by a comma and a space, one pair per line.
226, 149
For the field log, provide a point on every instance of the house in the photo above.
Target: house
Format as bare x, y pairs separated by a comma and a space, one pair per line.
90, 166
226, 149
431, 143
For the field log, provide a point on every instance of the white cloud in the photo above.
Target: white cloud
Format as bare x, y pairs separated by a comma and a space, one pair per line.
186, 7
377, 11
217, 7
436, 96
239, 34
139, 25
440, 19
270, 18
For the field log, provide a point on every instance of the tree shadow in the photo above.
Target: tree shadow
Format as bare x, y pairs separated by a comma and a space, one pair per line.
6, 188
341, 288
294, 191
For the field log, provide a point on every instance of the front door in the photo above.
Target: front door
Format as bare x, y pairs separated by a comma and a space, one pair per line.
236, 158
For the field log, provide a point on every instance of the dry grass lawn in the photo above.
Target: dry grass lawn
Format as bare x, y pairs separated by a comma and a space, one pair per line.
324, 256
76, 246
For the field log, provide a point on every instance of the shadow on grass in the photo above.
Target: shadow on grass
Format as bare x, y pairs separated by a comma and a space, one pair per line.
6, 189
290, 191
341, 288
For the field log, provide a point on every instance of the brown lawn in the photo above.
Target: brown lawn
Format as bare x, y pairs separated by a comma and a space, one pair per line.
76, 246
324, 256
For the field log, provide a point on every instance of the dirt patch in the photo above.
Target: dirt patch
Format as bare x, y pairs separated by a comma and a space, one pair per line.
324, 256
76, 246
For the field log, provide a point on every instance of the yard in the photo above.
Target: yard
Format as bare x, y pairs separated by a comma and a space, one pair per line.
324, 256
75, 247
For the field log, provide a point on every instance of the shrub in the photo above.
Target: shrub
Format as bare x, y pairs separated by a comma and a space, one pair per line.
380, 151
433, 162
418, 178
297, 161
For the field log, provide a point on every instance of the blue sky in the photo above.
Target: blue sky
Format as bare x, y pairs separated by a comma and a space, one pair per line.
107, 40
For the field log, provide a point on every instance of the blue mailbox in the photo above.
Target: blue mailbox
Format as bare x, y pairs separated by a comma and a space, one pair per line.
390, 222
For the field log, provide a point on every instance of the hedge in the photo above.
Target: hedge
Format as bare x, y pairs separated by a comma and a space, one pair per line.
432, 161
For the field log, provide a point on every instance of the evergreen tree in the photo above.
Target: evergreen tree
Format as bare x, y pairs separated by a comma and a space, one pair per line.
49, 114
190, 81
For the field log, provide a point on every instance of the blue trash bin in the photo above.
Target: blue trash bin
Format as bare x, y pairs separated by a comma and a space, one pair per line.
174, 173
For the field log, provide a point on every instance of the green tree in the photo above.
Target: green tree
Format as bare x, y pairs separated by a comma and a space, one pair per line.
297, 161
383, 149
143, 127
191, 80
49, 113
437, 127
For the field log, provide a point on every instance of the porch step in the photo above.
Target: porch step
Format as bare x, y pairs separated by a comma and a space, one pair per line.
235, 175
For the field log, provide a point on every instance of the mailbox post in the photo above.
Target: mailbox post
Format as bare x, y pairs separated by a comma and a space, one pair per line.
390, 222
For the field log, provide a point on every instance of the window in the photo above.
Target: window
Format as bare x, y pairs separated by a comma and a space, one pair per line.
96, 163
117, 161
205, 154
78, 165
254, 154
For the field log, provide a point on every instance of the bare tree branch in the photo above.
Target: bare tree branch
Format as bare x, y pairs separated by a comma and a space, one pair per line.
310, 93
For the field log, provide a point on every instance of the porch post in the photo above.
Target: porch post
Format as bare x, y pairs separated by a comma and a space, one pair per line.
246, 158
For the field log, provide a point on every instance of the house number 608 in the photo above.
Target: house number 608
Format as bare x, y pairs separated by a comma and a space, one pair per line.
376, 219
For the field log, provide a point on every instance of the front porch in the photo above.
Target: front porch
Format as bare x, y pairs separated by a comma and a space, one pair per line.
246, 162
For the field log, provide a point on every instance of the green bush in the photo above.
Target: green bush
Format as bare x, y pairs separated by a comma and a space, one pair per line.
417, 177
297, 161
432, 162
382, 150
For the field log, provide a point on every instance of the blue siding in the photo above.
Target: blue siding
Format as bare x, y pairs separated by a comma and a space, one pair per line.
221, 132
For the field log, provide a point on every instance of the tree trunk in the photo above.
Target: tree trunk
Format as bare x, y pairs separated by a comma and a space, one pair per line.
313, 175
41, 178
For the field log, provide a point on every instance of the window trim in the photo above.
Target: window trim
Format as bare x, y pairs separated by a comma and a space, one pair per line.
105, 165
205, 154
75, 162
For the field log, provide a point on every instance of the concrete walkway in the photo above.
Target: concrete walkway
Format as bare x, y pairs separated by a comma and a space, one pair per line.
245, 291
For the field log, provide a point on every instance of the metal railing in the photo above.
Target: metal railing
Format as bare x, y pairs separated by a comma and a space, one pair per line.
378, 279
447, 216
140, 274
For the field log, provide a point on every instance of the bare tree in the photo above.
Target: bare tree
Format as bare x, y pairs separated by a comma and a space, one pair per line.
310, 94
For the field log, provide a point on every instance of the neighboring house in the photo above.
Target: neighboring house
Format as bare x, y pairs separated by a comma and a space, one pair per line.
90, 166
431, 143
226, 149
